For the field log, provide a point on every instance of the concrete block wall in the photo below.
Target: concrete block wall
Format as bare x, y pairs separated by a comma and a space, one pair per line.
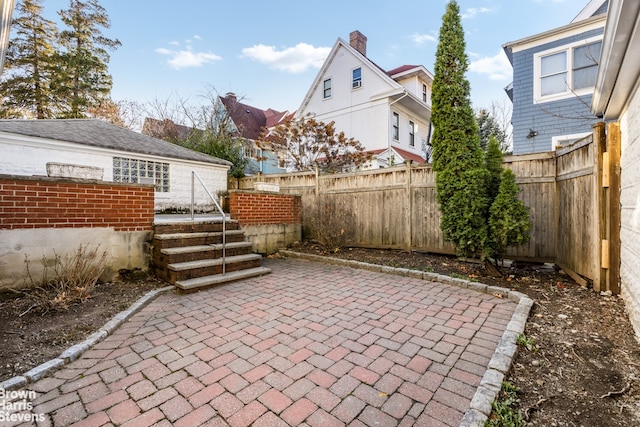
45, 218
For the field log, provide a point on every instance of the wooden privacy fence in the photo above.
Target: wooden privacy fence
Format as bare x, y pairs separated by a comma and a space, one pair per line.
396, 207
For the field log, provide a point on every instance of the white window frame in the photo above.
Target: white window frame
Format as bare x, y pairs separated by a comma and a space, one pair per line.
559, 139
538, 98
324, 88
356, 83
395, 127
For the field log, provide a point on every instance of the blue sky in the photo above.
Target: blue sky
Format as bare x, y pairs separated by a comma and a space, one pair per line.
268, 52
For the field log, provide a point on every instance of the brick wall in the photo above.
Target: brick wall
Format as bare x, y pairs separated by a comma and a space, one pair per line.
29, 203
255, 208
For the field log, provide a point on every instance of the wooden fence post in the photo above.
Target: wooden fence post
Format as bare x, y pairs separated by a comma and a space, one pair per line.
613, 207
602, 259
409, 209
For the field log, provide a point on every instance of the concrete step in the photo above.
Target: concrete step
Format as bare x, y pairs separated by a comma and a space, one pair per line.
199, 283
192, 265
194, 227
200, 248
208, 267
163, 241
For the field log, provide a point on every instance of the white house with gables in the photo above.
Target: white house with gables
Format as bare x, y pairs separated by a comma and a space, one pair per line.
388, 112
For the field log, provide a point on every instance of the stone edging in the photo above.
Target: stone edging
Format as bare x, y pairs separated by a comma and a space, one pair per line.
73, 352
500, 363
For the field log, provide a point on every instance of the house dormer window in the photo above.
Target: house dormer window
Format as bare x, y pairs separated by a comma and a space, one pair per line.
326, 89
568, 71
395, 124
424, 93
356, 80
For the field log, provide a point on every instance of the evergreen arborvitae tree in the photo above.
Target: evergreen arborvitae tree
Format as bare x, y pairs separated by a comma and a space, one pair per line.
83, 80
509, 220
461, 174
493, 160
29, 65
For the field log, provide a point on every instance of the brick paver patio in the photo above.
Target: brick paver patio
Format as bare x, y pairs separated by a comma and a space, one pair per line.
309, 344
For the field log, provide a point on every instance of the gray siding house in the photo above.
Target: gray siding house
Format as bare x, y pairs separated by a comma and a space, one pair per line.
553, 81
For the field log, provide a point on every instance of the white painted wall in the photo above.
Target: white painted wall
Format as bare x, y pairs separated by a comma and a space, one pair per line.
29, 157
630, 205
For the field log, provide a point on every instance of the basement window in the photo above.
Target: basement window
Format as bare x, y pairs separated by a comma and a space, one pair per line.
137, 171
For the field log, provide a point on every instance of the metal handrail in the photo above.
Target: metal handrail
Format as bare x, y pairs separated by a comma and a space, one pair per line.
194, 175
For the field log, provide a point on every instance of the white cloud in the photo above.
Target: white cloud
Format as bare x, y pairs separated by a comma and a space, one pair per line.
473, 11
420, 39
187, 58
497, 67
295, 59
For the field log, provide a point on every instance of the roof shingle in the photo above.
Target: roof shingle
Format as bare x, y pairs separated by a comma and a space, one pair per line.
98, 133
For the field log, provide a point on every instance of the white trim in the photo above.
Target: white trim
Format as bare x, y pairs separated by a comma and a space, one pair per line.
569, 92
570, 30
588, 10
619, 71
556, 140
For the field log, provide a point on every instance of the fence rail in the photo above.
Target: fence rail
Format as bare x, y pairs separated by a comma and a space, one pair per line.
396, 207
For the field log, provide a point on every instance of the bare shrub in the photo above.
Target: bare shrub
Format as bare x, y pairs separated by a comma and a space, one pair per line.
71, 281
330, 223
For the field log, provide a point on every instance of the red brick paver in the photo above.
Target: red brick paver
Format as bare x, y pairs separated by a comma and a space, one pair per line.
310, 343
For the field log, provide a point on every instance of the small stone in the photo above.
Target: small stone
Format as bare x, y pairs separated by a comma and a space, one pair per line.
562, 316
535, 363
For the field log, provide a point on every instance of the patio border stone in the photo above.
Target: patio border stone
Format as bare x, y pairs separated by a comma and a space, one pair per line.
73, 352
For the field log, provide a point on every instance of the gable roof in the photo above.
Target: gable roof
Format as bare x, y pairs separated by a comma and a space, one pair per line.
405, 71
250, 120
166, 128
340, 43
404, 154
98, 133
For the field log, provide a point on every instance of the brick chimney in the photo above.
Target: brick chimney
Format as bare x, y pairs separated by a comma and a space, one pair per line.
358, 41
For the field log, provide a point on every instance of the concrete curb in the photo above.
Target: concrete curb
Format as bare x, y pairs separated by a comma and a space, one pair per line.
74, 352
502, 358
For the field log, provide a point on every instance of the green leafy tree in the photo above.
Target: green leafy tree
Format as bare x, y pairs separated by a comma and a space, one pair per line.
461, 174
30, 65
509, 220
221, 145
83, 80
308, 143
488, 127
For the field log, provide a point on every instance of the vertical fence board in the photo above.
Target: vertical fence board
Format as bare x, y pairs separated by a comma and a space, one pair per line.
558, 187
